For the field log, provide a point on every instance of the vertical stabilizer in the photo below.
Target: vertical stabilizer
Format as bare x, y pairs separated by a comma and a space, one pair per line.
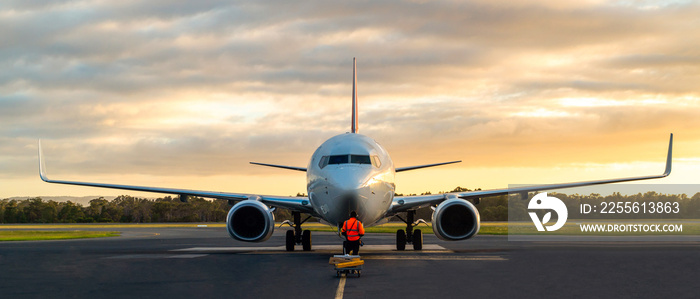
353, 127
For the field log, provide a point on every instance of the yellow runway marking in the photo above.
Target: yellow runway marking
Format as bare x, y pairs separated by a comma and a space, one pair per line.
341, 287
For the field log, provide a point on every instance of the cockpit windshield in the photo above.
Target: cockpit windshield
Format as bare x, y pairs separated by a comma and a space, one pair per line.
357, 159
349, 159
338, 159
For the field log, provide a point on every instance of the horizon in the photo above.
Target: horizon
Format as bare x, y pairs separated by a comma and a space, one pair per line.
625, 189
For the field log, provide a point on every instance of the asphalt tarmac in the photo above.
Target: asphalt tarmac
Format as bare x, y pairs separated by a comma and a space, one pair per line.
206, 263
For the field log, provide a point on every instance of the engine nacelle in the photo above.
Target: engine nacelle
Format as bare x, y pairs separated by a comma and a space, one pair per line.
250, 221
456, 219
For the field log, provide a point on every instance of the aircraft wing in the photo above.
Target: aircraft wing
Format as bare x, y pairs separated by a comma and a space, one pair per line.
405, 203
281, 166
300, 204
400, 169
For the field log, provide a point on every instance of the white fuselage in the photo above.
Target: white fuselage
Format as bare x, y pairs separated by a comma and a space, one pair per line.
350, 172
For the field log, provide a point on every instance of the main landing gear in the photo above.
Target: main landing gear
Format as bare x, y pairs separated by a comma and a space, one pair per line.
297, 236
410, 235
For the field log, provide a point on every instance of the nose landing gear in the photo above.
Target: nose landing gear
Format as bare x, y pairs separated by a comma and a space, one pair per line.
297, 236
410, 236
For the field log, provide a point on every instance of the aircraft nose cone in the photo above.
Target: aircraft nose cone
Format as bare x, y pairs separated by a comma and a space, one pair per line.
350, 192
352, 181
350, 197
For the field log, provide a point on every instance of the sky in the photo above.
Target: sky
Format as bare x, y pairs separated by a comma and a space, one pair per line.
184, 94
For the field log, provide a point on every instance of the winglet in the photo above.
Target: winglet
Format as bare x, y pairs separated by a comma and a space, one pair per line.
42, 167
353, 126
669, 157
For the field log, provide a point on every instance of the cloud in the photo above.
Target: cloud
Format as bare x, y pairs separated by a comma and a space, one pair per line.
156, 87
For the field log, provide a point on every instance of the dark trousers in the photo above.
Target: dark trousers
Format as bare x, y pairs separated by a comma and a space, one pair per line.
353, 246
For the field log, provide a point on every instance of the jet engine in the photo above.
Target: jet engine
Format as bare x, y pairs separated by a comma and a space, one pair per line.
455, 219
250, 221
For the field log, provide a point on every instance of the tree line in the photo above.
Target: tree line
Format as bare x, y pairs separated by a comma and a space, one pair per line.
128, 209
125, 209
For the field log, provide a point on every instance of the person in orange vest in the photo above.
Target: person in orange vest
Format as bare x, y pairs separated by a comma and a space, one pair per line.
353, 231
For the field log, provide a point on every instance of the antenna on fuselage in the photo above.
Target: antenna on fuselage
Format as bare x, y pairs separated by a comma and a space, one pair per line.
353, 126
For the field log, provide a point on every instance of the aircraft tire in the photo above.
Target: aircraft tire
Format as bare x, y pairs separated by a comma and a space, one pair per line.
417, 240
400, 240
306, 240
290, 240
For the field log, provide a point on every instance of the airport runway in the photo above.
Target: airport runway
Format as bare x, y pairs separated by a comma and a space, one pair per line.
206, 263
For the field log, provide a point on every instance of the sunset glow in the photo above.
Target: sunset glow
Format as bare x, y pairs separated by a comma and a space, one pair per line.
184, 94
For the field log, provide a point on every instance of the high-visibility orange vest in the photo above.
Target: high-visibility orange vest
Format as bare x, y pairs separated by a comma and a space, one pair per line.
353, 231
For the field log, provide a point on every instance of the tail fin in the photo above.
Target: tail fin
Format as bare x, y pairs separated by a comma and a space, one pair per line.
353, 126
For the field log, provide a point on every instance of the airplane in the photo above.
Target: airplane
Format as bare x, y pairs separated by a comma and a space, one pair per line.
353, 172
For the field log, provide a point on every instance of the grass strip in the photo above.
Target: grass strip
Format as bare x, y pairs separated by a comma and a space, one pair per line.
487, 228
30, 235
115, 225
